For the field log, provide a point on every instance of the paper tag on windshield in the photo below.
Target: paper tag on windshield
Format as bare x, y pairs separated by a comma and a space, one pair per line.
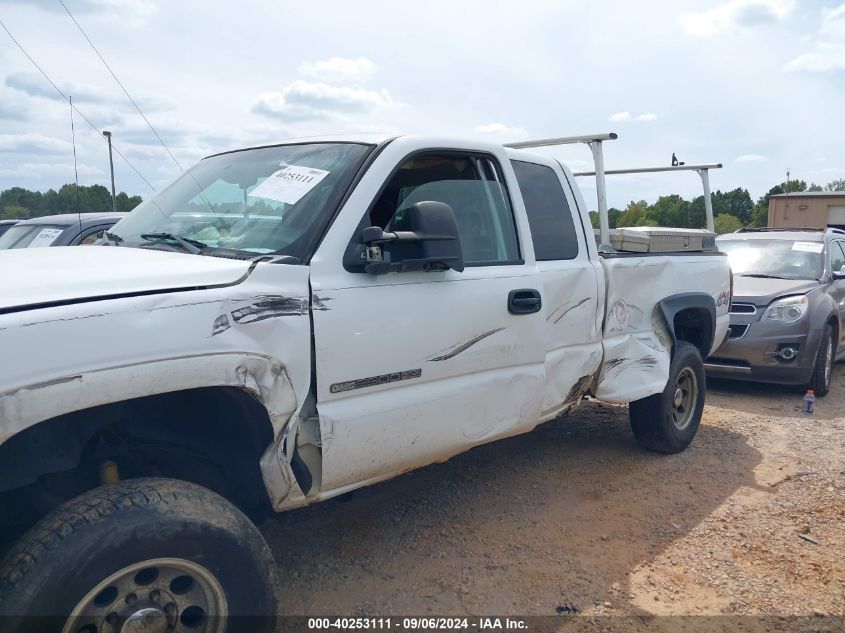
45, 237
289, 184
808, 247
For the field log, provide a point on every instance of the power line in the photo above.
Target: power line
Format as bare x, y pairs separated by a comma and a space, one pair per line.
57, 89
119, 83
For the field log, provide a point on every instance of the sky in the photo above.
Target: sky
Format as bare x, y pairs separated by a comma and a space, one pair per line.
758, 85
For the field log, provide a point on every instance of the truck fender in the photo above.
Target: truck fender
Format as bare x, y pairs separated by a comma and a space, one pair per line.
699, 303
263, 377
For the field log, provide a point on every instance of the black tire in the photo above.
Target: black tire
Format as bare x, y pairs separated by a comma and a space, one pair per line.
823, 369
108, 530
652, 419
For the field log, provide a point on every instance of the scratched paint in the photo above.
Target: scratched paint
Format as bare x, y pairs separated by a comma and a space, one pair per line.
451, 352
561, 311
270, 308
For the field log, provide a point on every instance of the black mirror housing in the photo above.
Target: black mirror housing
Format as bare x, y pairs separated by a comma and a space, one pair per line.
425, 238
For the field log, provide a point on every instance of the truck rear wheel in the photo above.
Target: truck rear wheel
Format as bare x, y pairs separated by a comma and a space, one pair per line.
141, 555
667, 422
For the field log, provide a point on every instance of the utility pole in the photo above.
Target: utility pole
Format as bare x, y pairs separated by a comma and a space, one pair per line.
111, 168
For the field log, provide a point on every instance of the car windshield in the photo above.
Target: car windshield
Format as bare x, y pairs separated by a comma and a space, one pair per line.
30, 236
246, 203
787, 259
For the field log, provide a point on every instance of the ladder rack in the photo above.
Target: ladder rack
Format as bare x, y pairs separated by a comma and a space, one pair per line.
594, 141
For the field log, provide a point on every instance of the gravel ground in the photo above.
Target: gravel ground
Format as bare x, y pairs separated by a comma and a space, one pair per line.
574, 518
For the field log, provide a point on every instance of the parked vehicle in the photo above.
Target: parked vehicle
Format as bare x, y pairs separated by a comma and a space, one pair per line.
66, 229
788, 307
285, 324
5, 225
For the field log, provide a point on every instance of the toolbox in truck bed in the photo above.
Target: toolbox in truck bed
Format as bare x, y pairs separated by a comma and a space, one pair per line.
650, 239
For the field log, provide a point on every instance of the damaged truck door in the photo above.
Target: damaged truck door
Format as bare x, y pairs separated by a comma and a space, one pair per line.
414, 366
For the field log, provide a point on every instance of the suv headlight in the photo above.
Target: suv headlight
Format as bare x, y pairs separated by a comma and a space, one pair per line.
788, 310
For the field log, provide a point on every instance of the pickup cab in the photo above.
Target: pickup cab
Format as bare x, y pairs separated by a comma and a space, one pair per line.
284, 324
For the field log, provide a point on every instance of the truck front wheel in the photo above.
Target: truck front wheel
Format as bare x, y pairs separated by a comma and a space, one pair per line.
141, 555
667, 422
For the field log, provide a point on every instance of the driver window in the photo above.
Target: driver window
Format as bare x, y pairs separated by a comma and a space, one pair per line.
472, 187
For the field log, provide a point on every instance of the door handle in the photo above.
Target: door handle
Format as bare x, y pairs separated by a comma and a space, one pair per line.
524, 301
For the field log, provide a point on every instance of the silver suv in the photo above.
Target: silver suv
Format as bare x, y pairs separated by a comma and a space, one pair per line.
788, 307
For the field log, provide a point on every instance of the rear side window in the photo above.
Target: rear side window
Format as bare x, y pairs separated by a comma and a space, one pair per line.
549, 215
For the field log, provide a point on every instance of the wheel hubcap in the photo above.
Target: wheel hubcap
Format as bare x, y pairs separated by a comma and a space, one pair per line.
161, 595
686, 396
145, 621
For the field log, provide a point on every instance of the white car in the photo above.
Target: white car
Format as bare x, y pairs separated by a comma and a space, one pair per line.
285, 324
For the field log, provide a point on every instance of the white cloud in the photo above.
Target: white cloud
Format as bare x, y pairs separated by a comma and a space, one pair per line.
33, 143
338, 69
52, 170
828, 50
735, 13
303, 100
751, 158
499, 128
622, 117
34, 85
127, 12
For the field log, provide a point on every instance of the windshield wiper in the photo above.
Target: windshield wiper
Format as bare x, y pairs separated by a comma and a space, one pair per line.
762, 276
191, 246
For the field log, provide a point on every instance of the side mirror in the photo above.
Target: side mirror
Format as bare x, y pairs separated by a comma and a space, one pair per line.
840, 274
429, 242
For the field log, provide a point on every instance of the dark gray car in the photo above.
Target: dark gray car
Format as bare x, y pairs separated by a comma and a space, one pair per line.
788, 307
67, 229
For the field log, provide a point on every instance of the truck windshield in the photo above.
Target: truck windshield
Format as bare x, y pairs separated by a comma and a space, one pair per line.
779, 258
270, 200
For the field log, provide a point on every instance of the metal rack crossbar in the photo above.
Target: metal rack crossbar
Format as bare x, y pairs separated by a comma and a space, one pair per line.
595, 142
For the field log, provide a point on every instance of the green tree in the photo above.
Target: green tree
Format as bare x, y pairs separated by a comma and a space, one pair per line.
726, 223
613, 215
669, 211
19, 202
835, 185
13, 212
635, 214
737, 202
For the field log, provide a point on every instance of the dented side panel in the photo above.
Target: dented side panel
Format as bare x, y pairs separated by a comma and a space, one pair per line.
254, 335
637, 343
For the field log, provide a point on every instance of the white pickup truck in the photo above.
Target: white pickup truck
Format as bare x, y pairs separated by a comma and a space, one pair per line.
287, 323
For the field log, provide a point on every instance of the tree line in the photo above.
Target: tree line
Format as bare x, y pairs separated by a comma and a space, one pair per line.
731, 209
21, 203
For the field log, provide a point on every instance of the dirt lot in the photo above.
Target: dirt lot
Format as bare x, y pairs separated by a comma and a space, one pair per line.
575, 515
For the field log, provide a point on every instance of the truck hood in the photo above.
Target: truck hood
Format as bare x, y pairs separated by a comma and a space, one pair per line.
66, 274
761, 291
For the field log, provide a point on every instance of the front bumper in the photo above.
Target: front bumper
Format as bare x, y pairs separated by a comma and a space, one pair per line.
753, 355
